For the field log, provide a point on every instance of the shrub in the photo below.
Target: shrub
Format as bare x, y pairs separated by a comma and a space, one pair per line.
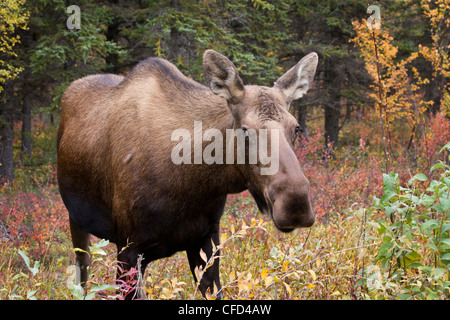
413, 260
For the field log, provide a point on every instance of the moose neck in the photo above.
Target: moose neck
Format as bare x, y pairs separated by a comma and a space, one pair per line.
219, 178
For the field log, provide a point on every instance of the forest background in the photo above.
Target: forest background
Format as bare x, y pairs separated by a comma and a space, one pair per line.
376, 119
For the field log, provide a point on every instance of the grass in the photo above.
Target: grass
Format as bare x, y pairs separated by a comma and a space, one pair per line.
339, 259
257, 261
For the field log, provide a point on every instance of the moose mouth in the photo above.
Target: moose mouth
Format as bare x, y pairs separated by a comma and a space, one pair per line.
265, 205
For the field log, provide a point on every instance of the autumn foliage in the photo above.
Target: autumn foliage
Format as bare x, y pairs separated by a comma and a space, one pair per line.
12, 17
379, 234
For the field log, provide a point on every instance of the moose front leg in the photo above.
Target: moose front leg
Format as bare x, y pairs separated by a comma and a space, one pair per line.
210, 276
130, 283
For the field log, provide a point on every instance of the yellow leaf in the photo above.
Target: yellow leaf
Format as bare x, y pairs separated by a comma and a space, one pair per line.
243, 285
318, 261
232, 229
336, 293
313, 275
174, 282
232, 275
288, 288
223, 238
264, 273
285, 264
203, 255
208, 295
198, 272
268, 280
243, 232
310, 285
149, 291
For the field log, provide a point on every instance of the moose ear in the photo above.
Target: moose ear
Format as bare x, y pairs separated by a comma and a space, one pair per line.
222, 77
296, 82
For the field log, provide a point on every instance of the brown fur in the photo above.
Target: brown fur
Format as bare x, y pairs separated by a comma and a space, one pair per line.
115, 172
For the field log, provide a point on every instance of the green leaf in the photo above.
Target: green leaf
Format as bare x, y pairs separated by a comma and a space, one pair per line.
436, 186
445, 202
432, 246
427, 270
24, 257
376, 202
445, 227
439, 166
102, 243
35, 268
419, 176
427, 200
99, 251
97, 247
389, 182
446, 181
18, 276
445, 256
384, 252
404, 296
89, 296
103, 287
389, 194
411, 257
390, 209
375, 225
429, 225
438, 272
445, 243
30, 295
447, 146
415, 265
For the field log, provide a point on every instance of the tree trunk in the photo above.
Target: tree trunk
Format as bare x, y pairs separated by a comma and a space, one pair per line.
26, 129
6, 142
300, 112
332, 114
174, 42
332, 104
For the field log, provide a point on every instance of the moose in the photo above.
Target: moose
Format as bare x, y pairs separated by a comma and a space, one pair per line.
118, 181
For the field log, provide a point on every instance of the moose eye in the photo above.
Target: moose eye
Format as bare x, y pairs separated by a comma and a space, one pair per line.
298, 130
